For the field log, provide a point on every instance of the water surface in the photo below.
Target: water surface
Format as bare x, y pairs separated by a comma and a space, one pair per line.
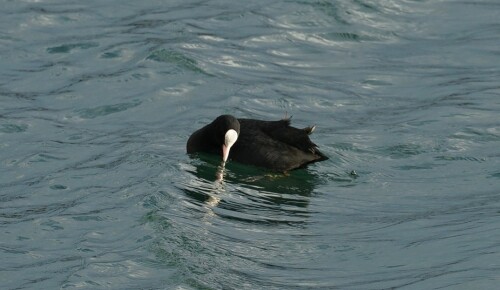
98, 98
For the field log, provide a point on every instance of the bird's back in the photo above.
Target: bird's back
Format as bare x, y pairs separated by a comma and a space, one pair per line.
275, 145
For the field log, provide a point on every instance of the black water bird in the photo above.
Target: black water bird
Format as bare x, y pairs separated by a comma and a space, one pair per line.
271, 144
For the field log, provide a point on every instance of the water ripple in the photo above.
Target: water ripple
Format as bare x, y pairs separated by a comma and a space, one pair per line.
98, 98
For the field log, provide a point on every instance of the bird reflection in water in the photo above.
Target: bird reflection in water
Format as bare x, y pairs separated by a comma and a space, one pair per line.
226, 184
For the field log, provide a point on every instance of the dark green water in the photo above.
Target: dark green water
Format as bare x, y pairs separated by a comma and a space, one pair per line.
98, 98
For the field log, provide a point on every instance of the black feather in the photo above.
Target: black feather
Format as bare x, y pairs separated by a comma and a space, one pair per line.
271, 144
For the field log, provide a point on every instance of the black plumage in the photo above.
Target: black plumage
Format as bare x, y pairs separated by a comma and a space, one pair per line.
271, 144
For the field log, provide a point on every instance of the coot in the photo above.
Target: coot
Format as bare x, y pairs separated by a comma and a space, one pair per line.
271, 144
